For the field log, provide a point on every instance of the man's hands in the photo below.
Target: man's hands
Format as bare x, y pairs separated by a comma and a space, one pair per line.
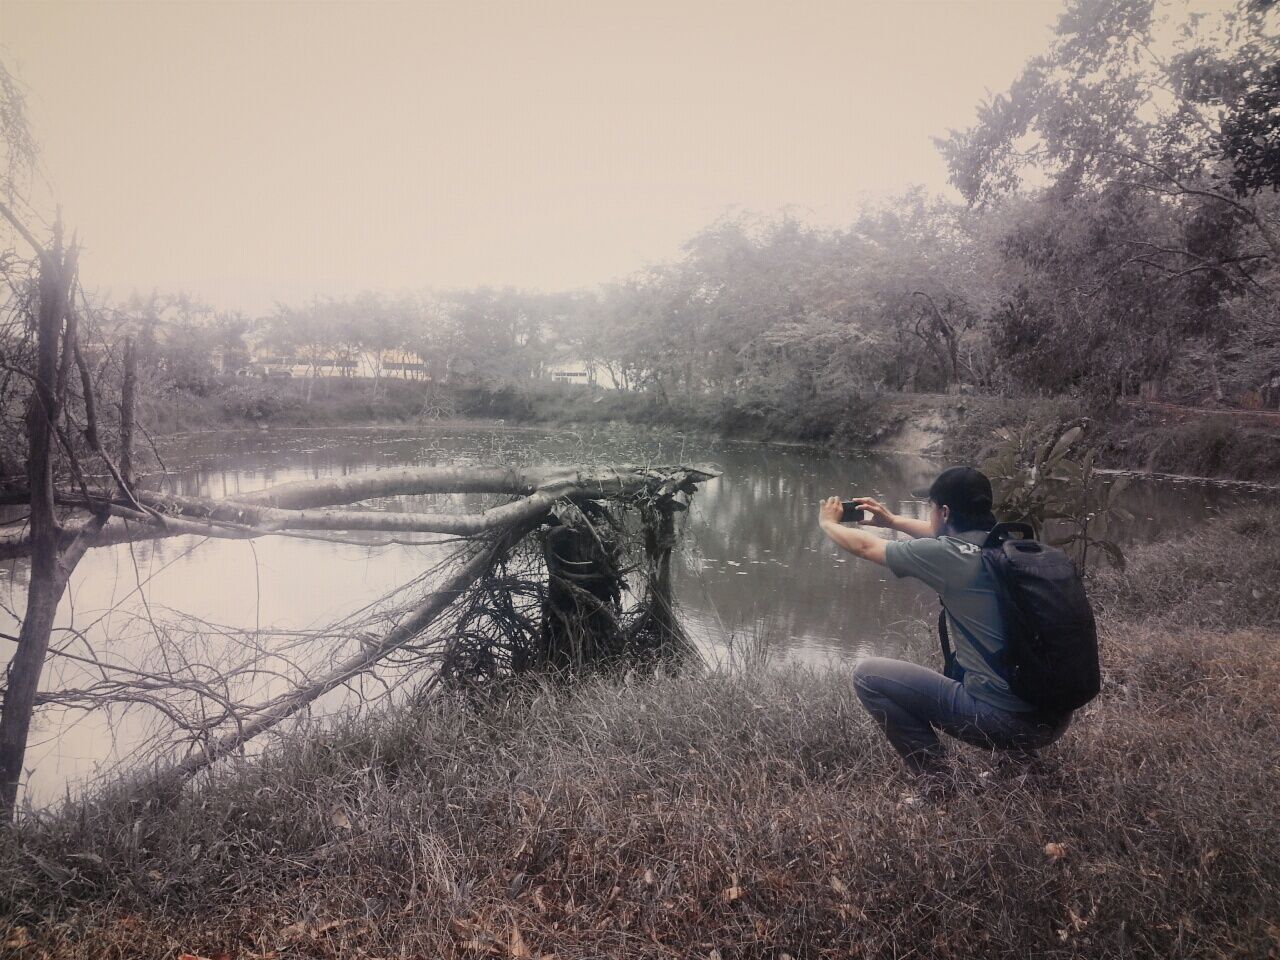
868, 546
830, 511
881, 516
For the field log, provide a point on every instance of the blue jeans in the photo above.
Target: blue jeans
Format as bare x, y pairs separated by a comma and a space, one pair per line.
911, 703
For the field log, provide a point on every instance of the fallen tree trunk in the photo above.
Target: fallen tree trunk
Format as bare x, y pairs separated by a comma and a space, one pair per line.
404, 481
519, 518
138, 516
256, 515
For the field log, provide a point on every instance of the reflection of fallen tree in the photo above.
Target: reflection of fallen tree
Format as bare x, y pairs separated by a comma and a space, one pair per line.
505, 603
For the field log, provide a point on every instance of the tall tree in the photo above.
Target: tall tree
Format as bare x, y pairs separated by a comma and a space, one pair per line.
1154, 227
1151, 95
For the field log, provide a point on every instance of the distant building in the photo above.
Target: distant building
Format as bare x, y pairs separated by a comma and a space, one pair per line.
393, 364
398, 364
584, 372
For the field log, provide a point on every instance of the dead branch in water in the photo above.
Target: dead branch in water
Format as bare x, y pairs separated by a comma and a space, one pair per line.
479, 624
285, 706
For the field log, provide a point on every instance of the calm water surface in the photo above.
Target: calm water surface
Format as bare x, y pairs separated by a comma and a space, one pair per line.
754, 569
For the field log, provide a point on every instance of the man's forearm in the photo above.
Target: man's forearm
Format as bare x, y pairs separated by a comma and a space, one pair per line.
860, 543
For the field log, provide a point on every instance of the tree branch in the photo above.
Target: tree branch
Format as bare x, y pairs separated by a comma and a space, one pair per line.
26, 234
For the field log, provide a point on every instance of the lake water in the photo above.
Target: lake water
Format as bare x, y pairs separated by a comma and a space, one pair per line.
754, 570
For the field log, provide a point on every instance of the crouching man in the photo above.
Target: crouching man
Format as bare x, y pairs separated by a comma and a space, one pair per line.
971, 701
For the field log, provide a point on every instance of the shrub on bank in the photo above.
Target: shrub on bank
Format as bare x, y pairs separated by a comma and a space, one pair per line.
842, 415
1206, 446
1223, 575
846, 417
258, 402
1126, 436
334, 401
972, 422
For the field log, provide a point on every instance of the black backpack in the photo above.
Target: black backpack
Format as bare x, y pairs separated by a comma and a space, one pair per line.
1051, 641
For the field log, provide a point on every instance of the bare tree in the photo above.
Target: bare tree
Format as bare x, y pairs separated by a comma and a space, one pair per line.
58, 363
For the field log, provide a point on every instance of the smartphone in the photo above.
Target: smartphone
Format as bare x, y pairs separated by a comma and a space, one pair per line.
851, 512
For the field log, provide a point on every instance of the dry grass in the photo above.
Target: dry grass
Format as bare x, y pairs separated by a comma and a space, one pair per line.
747, 814
752, 814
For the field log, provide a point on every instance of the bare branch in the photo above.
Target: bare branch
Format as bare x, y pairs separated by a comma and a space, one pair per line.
403, 633
26, 234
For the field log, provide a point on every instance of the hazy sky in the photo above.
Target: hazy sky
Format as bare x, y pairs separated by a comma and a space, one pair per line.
258, 152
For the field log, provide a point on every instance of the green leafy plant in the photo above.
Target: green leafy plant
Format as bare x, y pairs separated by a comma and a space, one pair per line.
1054, 485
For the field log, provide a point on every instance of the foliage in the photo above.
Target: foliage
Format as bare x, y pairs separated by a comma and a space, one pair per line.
1251, 132
1061, 496
257, 402
1129, 90
18, 148
1146, 120
1220, 575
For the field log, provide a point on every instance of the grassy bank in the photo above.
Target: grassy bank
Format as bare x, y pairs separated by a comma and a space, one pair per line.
1202, 445
753, 813
1222, 445
238, 403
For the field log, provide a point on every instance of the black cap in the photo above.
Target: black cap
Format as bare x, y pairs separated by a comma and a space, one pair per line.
965, 490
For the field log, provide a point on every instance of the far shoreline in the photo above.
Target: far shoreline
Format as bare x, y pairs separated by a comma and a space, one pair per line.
926, 451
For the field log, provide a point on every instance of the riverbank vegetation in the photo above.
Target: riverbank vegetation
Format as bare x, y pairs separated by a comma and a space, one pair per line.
748, 812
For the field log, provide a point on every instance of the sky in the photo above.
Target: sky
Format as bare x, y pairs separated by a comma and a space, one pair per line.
255, 153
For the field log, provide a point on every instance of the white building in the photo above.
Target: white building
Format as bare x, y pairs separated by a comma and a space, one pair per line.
392, 364
584, 372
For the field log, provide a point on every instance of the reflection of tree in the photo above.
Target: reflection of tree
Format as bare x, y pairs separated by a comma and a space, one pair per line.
764, 509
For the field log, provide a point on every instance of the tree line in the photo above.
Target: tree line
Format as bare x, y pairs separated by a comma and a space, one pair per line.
1117, 235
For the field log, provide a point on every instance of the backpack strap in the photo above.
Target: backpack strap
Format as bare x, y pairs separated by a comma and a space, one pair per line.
951, 668
999, 534
1005, 531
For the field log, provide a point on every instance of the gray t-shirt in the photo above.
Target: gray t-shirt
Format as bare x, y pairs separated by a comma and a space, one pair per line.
952, 565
